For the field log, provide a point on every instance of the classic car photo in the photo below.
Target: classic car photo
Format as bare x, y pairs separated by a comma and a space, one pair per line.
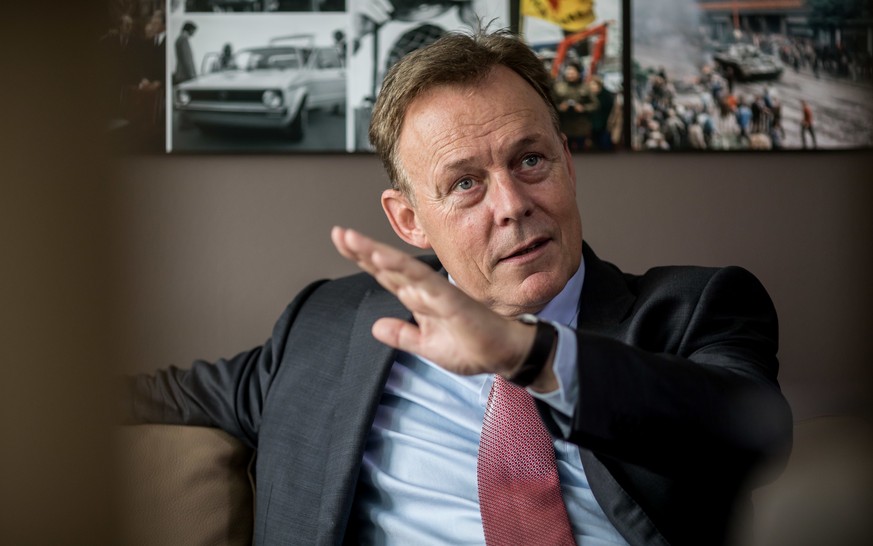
269, 87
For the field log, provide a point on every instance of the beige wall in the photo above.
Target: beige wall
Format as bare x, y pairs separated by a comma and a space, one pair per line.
214, 247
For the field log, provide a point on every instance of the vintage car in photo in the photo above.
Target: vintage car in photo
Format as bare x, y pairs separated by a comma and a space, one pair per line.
270, 87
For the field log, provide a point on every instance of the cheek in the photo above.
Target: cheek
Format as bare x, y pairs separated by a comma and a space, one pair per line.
474, 229
562, 199
466, 241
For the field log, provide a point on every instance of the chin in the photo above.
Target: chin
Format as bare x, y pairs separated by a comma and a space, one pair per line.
535, 292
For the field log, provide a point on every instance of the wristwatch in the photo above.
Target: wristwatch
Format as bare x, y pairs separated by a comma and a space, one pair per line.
544, 341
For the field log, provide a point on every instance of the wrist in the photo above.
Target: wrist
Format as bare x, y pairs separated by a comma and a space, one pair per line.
536, 370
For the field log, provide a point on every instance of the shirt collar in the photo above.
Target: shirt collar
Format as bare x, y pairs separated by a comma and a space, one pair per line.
564, 308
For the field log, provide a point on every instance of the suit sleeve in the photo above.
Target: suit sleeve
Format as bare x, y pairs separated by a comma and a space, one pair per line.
227, 394
709, 400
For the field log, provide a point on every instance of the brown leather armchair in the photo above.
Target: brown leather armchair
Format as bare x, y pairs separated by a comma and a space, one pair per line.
191, 485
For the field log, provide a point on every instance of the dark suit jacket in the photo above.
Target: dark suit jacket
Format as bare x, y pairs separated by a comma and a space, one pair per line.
678, 399
153, 59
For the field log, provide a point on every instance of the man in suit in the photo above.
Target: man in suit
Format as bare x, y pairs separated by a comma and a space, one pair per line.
147, 95
658, 391
186, 68
154, 50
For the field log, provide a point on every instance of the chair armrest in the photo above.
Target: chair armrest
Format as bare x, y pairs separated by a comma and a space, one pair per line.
183, 485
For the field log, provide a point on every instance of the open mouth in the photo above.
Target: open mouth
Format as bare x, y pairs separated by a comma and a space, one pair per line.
527, 250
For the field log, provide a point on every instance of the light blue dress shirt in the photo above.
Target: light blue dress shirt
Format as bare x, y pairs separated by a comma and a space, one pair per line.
418, 477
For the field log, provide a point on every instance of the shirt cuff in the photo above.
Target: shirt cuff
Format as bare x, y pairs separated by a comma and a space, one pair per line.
563, 399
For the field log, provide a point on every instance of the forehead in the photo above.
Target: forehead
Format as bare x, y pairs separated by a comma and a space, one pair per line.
451, 122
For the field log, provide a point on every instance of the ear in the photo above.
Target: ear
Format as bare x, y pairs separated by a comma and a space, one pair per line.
403, 219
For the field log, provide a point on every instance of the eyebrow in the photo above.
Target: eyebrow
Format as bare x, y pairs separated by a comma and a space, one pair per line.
462, 162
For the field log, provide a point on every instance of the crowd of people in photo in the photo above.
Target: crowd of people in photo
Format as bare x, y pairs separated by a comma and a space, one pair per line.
707, 112
712, 116
836, 61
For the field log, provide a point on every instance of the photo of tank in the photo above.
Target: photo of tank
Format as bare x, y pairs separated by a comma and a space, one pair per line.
752, 75
748, 62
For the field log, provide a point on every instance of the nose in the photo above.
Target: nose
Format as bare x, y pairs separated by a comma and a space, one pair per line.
510, 199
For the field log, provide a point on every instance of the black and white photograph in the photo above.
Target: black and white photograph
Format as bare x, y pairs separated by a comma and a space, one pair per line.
752, 74
219, 6
257, 82
580, 42
382, 31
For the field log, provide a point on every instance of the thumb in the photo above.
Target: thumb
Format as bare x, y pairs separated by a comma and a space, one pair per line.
398, 334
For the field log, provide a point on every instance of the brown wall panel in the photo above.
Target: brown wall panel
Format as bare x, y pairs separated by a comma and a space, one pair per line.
214, 247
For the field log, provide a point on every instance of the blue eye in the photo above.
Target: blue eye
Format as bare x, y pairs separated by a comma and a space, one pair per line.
465, 184
531, 160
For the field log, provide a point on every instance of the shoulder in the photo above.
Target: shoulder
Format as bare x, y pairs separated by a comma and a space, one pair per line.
658, 307
689, 304
353, 287
696, 282
327, 307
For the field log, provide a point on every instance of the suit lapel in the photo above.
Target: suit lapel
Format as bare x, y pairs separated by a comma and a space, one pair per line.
620, 508
367, 364
604, 303
358, 392
605, 298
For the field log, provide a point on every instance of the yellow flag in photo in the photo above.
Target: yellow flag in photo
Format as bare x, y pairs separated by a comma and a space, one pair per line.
571, 15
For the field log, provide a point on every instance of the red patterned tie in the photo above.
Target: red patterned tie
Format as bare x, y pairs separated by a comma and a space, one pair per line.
519, 489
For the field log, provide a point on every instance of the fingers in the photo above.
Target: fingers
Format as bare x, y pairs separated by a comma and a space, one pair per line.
357, 248
450, 328
352, 246
418, 287
398, 334
393, 268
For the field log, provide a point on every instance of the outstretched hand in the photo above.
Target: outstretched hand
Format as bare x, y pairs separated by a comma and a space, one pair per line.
451, 329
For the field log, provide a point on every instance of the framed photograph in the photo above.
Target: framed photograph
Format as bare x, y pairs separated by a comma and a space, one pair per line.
257, 82
581, 43
225, 75
385, 30
752, 74
278, 76
273, 76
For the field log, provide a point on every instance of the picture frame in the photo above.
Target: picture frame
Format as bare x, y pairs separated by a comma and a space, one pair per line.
301, 76
753, 75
